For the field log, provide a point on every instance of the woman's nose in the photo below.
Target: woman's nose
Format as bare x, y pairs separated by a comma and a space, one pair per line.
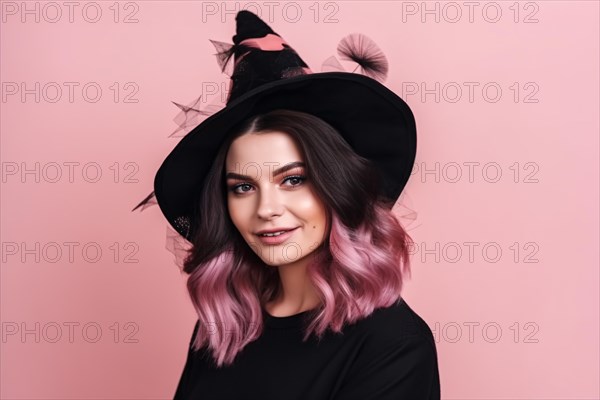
269, 203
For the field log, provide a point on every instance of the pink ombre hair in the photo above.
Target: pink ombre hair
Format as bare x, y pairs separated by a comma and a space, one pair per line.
361, 267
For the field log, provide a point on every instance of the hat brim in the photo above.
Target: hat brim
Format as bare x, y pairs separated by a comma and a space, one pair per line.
375, 122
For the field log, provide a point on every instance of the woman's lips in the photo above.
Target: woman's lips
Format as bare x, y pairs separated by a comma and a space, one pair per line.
274, 240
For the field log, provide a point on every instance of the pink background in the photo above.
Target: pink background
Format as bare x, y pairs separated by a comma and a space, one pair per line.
546, 311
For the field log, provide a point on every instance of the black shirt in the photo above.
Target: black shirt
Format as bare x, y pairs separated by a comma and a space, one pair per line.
391, 354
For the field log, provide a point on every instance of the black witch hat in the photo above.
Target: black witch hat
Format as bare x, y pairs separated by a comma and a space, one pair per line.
269, 74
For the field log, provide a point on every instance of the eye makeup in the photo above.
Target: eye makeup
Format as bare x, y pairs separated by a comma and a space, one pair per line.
296, 174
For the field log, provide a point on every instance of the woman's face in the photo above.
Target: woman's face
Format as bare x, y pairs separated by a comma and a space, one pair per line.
264, 193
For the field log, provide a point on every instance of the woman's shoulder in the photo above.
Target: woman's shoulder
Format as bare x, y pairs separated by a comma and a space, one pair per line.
396, 357
391, 325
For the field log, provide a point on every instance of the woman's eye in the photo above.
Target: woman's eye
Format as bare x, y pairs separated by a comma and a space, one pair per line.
235, 188
295, 180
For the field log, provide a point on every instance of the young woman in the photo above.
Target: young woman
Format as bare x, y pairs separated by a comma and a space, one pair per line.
297, 261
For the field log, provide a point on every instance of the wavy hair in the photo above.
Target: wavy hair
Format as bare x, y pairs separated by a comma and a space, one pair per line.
359, 268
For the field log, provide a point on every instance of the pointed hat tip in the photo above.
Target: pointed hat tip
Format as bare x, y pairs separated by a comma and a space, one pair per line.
249, 25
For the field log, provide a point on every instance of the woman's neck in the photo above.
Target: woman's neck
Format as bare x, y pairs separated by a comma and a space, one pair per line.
297, 292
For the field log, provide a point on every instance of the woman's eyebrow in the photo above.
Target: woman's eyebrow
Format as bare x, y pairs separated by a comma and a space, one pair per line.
278, 171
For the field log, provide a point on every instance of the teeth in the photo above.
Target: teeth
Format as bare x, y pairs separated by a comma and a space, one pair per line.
273, 234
